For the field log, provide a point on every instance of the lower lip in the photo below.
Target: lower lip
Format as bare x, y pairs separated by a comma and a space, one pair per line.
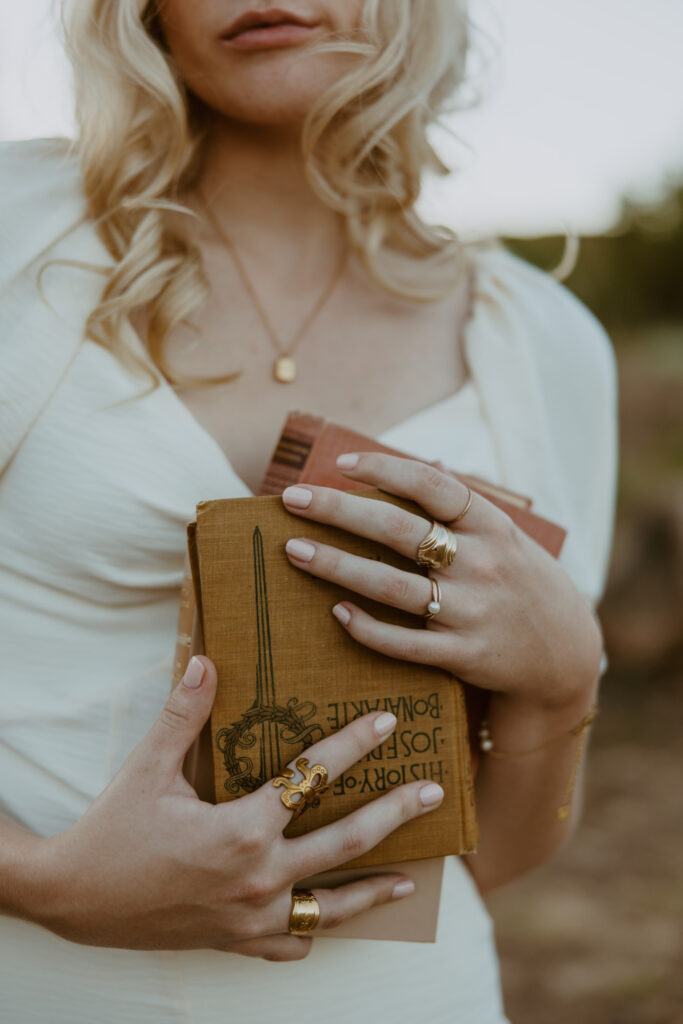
270, 36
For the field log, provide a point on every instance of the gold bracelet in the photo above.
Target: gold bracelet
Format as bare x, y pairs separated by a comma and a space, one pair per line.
486, 746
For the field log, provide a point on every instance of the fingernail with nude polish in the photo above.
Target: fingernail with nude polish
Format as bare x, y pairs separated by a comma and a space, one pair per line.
194, 674
300, 549
347, 461
383, 724
404, 888
342, 613
297, 497
431, 795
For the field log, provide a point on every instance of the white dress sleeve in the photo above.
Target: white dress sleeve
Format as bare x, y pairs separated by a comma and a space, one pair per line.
41, 207
546, 370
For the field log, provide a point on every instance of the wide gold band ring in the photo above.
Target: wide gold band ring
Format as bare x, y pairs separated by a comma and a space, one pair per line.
308, 791
305, 912
438, 547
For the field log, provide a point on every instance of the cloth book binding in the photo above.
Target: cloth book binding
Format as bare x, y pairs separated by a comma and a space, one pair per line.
288, 674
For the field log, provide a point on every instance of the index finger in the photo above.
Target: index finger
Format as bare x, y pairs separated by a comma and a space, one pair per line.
437, 490
337, 753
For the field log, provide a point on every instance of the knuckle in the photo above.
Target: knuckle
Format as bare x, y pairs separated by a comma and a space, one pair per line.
489, 567
332, 560
402, 803
334, 915
398, 525
358, 738
353, 843
175, 715
408, 650
371, 462
259, 889
430, 478
252, 838
326, 501
409, 802
246, 930
505, 527
475, 610
394, 588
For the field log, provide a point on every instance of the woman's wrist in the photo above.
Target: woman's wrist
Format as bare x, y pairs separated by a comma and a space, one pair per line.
570, 680
517, 724
27, 885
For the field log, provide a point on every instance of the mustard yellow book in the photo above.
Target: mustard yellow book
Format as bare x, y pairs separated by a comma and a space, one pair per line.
289, 674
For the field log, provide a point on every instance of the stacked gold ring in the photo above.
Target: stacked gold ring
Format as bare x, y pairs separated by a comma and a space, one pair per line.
466, 509
438, 547
434, 605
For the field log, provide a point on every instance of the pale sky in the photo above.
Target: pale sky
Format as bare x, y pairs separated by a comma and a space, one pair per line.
584, 103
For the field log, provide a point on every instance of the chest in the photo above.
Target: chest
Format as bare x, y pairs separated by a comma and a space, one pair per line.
95, 504
370, 361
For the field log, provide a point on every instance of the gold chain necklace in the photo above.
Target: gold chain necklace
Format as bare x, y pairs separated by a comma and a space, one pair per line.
284, 366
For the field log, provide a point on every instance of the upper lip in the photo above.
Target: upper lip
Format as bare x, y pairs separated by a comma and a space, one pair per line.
272, 16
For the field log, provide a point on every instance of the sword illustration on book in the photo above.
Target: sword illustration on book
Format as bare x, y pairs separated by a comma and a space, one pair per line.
266, 724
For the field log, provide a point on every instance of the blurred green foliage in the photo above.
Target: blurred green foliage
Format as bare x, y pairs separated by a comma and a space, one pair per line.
595, 935
630, 276
632, 279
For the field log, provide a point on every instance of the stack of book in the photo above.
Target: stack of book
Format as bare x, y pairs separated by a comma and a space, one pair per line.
288, 674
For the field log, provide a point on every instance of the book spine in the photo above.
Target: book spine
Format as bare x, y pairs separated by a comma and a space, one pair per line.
291, 452
186, 614
308, 448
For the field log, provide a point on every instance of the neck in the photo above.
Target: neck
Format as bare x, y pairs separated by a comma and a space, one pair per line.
253, 178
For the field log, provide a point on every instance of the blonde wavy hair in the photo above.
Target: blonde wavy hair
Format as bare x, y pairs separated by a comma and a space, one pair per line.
141, 138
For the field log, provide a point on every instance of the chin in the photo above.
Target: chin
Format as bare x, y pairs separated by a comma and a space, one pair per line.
269, 115
273, 92
260, 107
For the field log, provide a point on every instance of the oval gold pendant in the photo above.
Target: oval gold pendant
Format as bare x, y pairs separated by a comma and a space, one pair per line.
284, 369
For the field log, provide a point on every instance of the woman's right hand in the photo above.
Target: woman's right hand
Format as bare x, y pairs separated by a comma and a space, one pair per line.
150, 866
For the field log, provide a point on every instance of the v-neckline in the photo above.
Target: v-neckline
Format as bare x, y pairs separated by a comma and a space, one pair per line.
211, 443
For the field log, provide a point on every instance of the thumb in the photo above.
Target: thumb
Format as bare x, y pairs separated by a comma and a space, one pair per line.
182, 717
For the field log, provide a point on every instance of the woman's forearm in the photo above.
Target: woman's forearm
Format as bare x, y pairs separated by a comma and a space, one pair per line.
518, 798
23, 880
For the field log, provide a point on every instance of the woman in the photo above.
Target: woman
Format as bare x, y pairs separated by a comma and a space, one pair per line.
229, 177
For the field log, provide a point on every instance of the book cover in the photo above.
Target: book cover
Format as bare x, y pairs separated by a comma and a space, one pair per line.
288, 675
306, 452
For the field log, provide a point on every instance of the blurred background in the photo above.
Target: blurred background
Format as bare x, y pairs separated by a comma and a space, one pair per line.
573, 133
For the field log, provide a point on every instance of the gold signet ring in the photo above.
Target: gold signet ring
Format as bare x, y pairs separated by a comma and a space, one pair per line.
308, 791
305, 912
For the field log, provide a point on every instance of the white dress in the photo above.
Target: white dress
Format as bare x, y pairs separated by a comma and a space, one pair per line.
93, 505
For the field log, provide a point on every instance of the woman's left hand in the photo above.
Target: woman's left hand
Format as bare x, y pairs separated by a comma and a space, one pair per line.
511, 620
